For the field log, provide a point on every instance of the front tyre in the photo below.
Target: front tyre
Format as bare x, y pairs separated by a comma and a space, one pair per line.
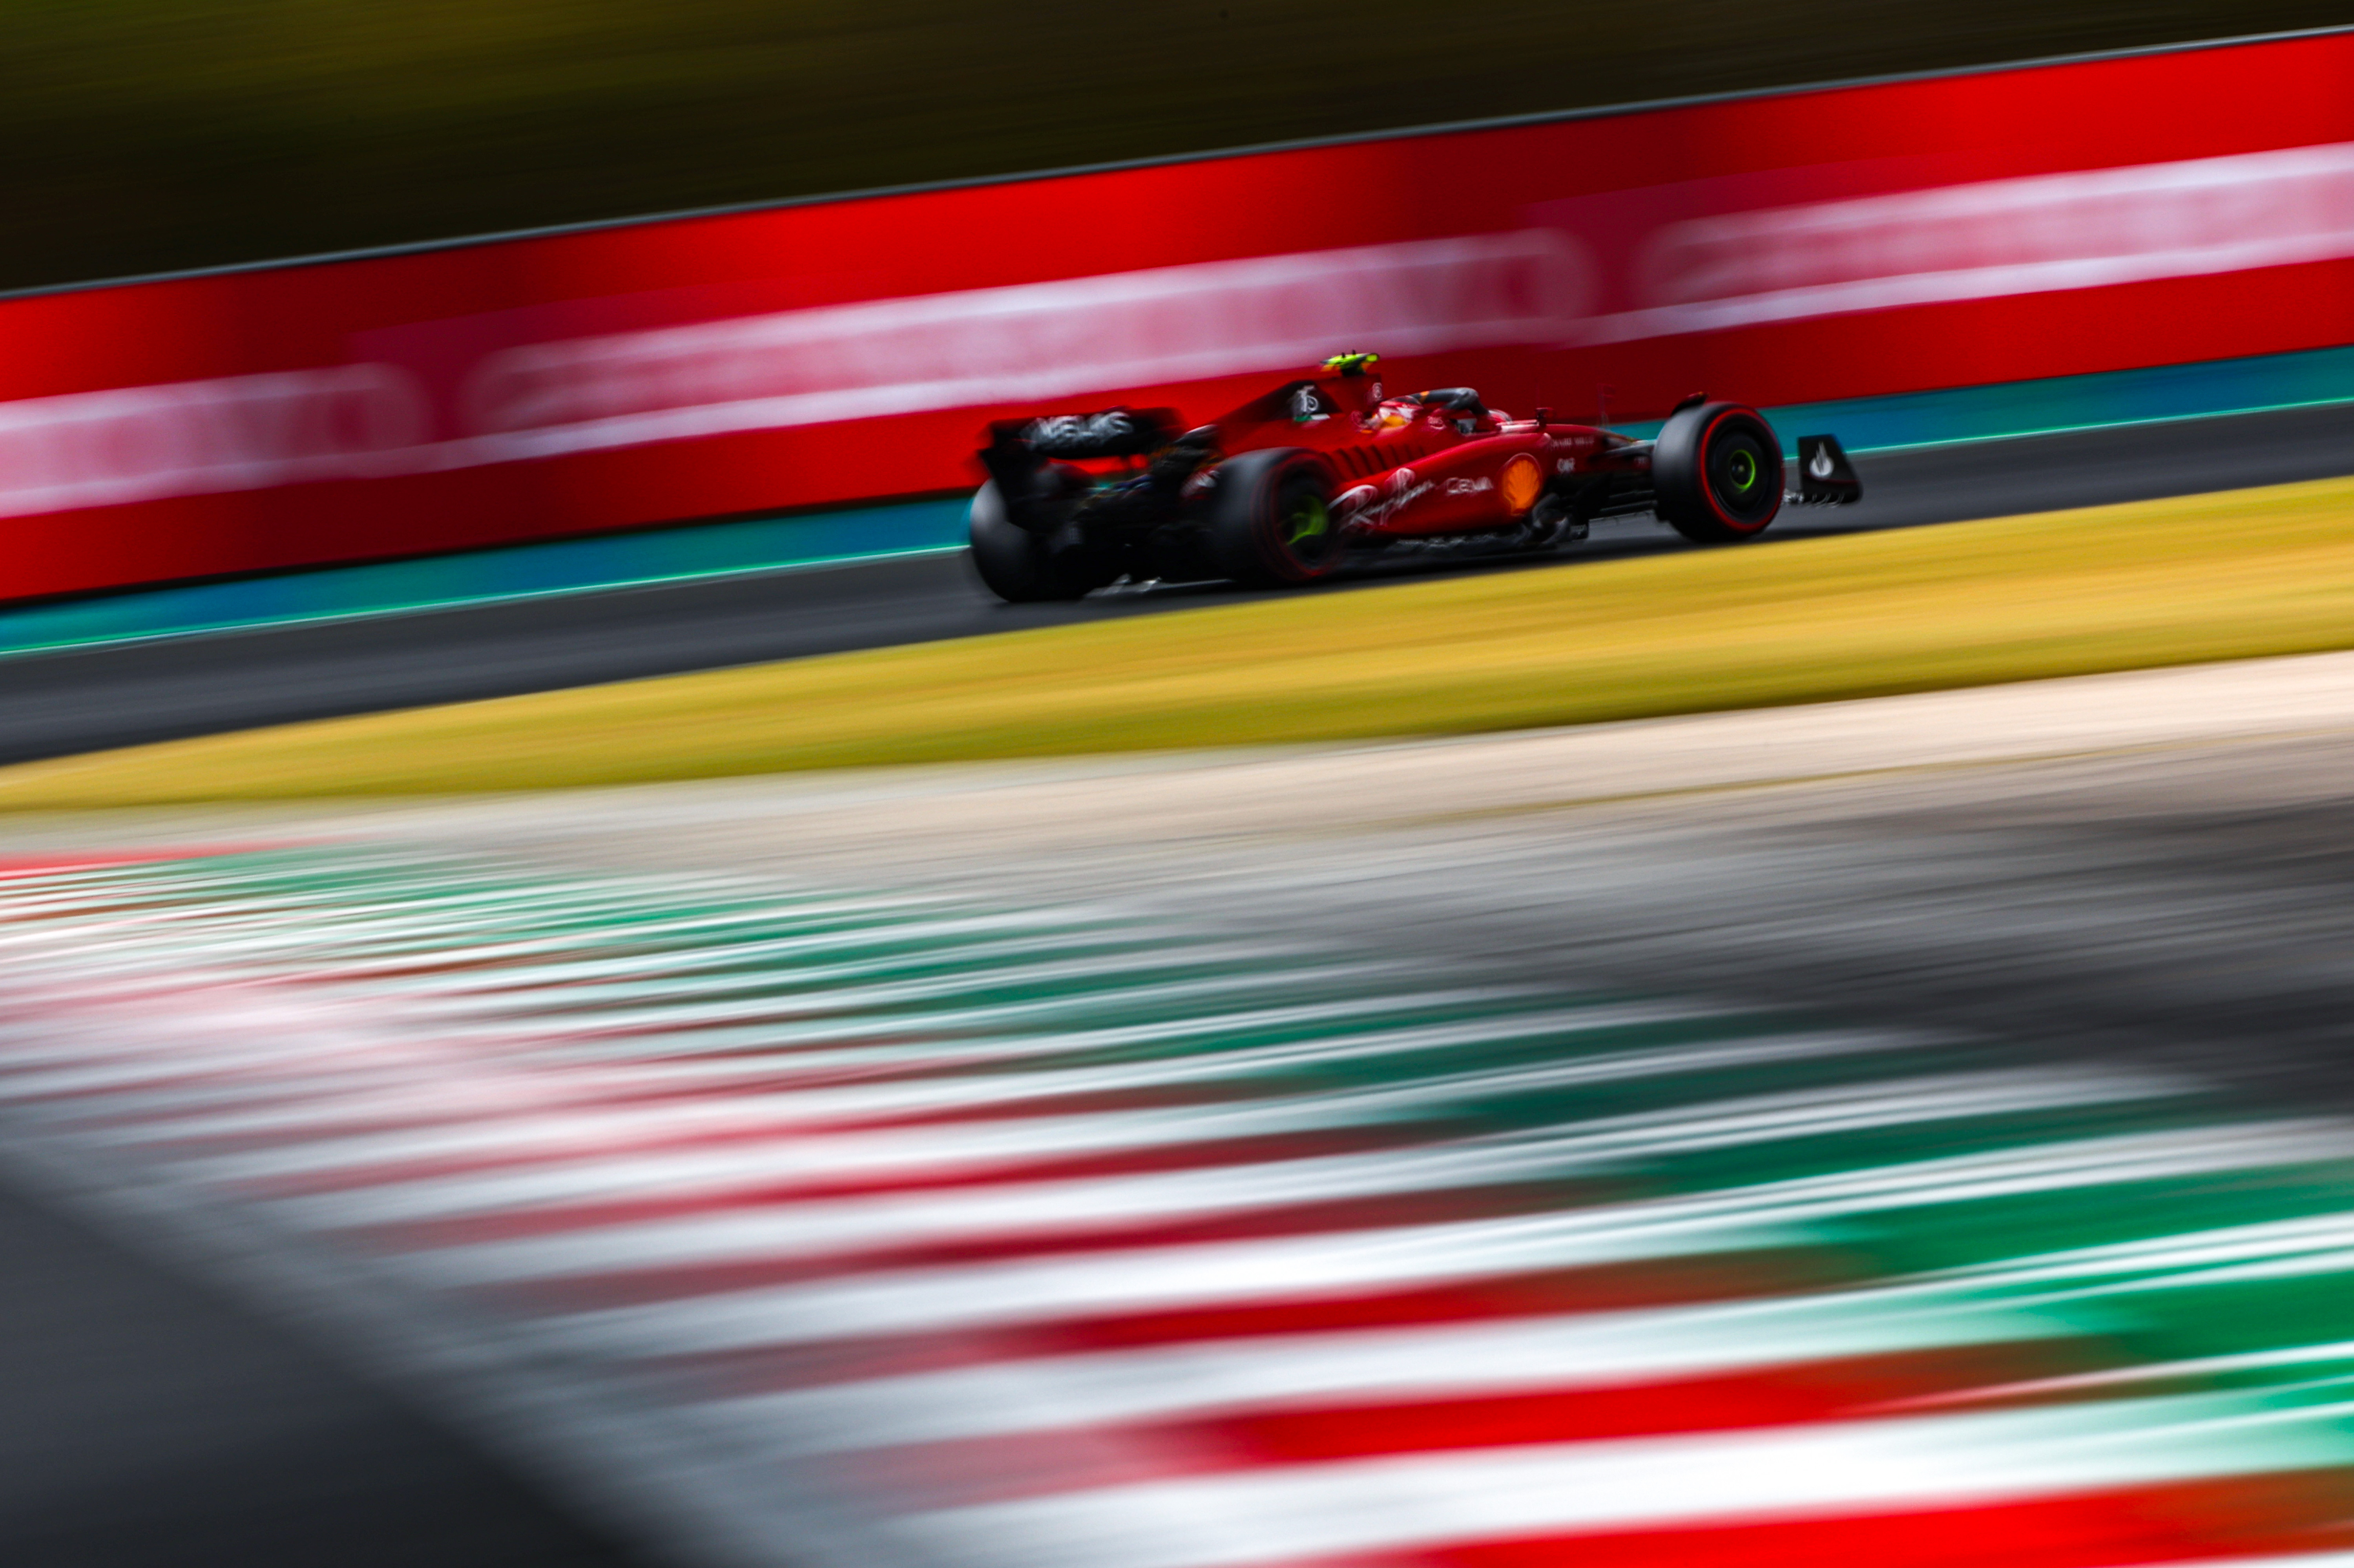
1270, 519
1016, 564
1716, 471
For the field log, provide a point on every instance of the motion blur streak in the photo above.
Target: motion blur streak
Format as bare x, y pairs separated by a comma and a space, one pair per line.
197, 438
927, 1234
1994, 237
1319, 1511
975, 347
1369, 1368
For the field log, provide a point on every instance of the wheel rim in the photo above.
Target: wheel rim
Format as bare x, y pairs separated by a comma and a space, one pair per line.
1742, 477
1306, 527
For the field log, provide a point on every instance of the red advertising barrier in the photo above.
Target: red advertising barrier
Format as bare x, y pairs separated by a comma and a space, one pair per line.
2005, 225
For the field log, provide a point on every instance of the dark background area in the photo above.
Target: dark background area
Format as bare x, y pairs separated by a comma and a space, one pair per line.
146, 135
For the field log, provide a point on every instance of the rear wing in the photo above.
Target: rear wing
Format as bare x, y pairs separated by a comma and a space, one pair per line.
1022, 452
1110, 433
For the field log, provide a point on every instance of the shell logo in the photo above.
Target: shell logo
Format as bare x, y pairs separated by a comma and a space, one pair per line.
1522, 481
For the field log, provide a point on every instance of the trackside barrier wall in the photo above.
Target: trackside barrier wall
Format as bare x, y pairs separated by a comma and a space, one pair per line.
2054, 220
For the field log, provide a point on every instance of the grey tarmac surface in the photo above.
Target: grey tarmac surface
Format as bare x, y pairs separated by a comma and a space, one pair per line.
58, 703
2189, 906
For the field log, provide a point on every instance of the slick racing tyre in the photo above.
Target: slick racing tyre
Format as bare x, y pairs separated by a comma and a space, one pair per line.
1270, 519
1016, 564
1716, 471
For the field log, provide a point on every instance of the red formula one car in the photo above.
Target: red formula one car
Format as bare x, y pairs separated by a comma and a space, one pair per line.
1289, 487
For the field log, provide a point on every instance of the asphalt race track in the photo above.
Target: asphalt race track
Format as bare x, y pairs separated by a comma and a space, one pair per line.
58, 704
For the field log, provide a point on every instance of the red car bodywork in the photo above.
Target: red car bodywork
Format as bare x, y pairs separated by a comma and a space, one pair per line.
1285, 487
1412, 467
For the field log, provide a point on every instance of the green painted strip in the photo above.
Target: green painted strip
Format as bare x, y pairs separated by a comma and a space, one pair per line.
506, 575
2269, 383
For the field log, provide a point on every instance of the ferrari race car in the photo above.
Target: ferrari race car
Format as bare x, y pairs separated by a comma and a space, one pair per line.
1289, 487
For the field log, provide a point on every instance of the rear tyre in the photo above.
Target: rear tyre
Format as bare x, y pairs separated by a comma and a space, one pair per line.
1016, 564
1716, 471
1269, 520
